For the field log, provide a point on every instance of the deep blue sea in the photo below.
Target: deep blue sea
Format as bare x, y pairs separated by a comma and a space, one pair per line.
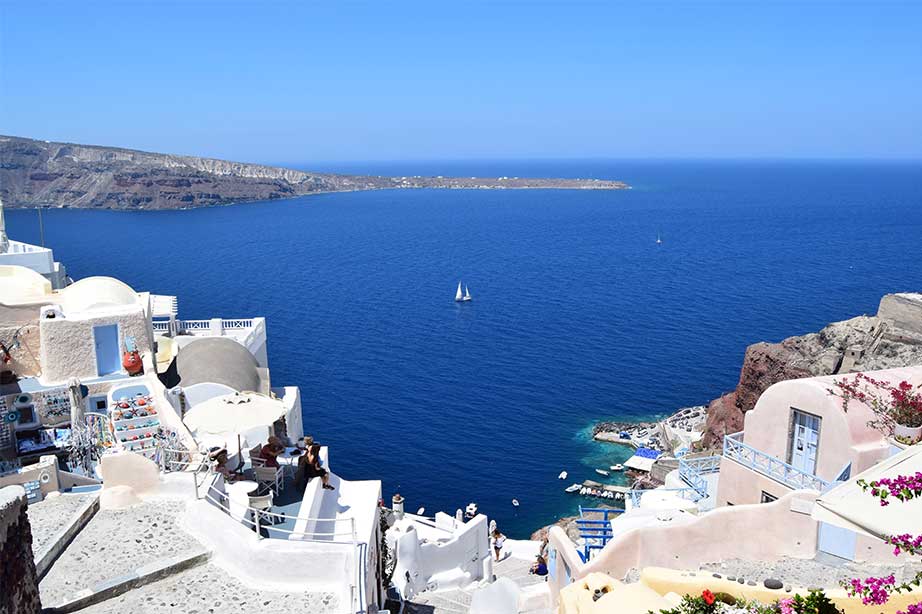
578, 315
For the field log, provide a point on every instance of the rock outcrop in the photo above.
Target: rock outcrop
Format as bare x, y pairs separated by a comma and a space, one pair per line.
45, 174
18, 580
892, 338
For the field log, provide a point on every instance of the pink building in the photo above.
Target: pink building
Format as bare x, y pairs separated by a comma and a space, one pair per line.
799, 437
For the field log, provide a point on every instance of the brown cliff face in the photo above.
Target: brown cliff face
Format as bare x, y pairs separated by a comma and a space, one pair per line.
764, 364
891, 339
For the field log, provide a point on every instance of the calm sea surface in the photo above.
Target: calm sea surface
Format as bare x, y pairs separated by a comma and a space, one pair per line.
578, 315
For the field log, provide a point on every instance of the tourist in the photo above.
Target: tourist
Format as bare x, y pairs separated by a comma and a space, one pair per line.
219, 456
269, 452
498, 540
309, 467
539, 567
543, 550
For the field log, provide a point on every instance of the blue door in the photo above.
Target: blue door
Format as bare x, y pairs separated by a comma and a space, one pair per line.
107, 349
805, 441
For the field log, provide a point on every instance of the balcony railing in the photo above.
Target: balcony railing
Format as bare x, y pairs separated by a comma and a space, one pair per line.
217, 327
770, 466
693, 472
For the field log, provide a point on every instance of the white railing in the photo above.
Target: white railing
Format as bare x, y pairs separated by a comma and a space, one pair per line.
255, 519
17, 247
770, 466
254, 326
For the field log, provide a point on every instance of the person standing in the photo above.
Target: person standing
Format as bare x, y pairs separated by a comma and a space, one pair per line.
498, 540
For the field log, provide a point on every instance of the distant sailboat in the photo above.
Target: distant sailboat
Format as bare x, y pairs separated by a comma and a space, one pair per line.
462, 297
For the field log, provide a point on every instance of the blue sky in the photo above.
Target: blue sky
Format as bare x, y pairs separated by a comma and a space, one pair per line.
294, 82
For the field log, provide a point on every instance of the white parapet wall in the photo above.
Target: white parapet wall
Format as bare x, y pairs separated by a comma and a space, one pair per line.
274, 564
456, 560
757, 532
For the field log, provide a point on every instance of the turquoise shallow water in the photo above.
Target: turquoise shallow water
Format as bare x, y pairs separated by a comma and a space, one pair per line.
577, 314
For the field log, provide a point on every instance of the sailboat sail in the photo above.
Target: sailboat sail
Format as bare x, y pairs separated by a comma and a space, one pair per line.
458, 295
467, 293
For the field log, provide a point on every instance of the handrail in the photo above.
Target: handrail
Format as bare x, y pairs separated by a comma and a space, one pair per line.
770, 466
257, 513
693, 470
686, 493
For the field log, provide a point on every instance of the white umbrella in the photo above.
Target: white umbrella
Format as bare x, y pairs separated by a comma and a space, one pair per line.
850, 507
234, 413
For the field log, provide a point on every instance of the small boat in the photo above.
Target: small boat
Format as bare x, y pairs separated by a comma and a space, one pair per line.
471, 510
462, 297
421, 511
515, 503
659, 240
601, 472
562, 476
573, 487
618, 467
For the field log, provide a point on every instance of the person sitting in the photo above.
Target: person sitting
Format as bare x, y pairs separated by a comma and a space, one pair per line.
269, 452
219, 456
539, 567
309, 467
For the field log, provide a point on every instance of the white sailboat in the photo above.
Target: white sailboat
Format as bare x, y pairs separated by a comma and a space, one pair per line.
462, 297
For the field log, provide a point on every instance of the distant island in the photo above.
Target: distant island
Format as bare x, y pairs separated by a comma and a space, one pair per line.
46, 174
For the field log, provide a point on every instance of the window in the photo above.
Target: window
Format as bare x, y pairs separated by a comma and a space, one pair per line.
768, 497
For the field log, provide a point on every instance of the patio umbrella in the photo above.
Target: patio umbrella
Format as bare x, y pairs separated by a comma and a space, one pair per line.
848, 506
234, 413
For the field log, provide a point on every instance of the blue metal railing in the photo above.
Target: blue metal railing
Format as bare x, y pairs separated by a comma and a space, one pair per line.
693, 470
595, 532
770, 466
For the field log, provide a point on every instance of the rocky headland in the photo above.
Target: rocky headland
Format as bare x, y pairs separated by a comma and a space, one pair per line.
47, 174
891, 338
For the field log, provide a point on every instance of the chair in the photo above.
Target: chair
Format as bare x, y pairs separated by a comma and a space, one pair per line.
273, 477
260, 504
255, 459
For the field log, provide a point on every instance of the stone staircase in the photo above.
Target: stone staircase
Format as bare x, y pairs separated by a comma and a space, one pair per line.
140, 559
458, 601
85, 556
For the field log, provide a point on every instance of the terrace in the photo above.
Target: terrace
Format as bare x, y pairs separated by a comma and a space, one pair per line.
248, 332
770, 466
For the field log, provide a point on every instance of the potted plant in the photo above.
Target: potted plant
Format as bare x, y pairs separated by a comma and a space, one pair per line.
897, 408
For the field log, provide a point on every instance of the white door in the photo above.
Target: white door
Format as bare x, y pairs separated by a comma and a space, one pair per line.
805, 441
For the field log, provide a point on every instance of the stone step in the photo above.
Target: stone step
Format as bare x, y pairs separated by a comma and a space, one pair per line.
142, 576
114, 545
55, 522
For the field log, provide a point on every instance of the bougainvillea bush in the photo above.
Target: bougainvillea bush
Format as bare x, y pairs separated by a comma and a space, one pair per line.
892, 405
877, 591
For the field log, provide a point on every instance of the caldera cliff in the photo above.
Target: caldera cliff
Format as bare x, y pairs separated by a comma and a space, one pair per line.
891, 338
46, 174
